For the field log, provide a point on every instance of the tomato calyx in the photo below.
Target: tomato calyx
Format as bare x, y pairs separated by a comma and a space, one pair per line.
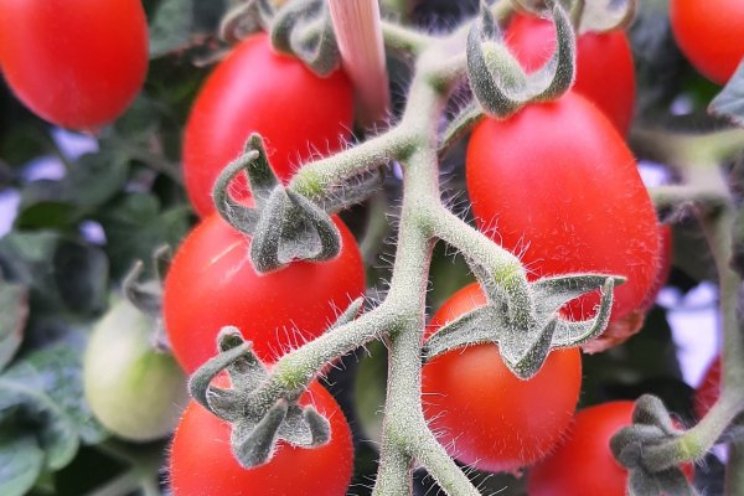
497, 79
524, 346
649, 469
258, 422
285, 225
301, 28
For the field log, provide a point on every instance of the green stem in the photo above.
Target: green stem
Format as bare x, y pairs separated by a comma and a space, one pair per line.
734, 485
401, 40
126, 483
675, 195
316, 179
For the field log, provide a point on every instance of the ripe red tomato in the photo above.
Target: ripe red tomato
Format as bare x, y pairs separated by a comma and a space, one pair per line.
77, 64
556, 185
587, 447
604, 64
482, 413
709, 390
710, 34
201, 462
212, 283
255, 89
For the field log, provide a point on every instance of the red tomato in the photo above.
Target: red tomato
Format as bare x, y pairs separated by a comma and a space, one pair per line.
710, 34
212, 283
587, 447
709, 390
482, 413
604, 64
556, 185
202, 464
256, 89
77, 64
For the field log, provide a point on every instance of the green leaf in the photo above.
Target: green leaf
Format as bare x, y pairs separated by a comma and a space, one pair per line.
65, 274
730, 102
45, 389
136, 225
181, 24
21, 461
90, 183
13, 314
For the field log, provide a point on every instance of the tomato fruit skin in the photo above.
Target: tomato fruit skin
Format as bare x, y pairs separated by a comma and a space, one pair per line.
135, 391
709, 390
201, 462
583, 464
483, 414
556, 185
212, 283
710, 34
77, 64
605, 74
255, 89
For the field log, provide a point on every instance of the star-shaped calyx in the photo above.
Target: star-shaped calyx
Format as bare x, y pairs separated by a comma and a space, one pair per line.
285, 225
525, 338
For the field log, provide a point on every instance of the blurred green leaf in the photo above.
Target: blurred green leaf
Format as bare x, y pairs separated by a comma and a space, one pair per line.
91, 182
62, 273
180, 24
136, 225
13, 314
21, 461
43, 394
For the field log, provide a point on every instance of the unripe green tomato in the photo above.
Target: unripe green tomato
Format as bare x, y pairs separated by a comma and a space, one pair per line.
134, 390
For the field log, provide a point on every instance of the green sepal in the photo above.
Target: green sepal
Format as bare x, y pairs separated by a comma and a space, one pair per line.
246, 18
496, 77
524, 344
729, 103
258, 422
303, 28
652, 426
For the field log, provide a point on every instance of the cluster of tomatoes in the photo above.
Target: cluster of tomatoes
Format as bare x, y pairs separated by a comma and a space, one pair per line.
562, 204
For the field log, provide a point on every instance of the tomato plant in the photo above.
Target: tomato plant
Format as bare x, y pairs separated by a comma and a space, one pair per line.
464, 391
604, 66
710, 34
201, 461
212, 283
299, 115
134, 390
76, 64
570, 189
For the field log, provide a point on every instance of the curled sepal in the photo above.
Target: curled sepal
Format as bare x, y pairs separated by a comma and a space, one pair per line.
246, 18
254, 163
259, 419
524, 344
497, 79
303, 28
291, 227
348, 315
600, 16
652, 426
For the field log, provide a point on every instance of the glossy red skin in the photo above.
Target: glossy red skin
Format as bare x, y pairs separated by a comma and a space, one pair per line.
201, 462
212, 283
710, 34
255, 89
604, 64
583, 464
709, 390
483, 414
556, 185
77, 64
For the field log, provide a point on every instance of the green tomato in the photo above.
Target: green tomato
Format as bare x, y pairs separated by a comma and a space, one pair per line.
135, 391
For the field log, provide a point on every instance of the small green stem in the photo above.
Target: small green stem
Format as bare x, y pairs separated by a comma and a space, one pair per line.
448, 475
318, 179
377, 228
734, 485
694, 443
401, 40
126, 483
675, 195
